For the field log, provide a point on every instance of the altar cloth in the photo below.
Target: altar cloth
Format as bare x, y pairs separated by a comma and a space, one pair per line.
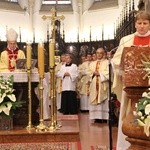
21, 76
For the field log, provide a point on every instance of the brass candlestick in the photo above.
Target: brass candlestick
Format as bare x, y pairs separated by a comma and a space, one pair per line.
28, 53
30, 126
52, 96
41, 126
53, 123
53, 117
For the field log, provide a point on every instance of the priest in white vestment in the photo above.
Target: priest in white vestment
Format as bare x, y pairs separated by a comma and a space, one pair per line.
84, 83
98, 98
140, 38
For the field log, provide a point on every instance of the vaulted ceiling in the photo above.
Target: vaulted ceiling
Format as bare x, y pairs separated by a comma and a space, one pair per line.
79, 6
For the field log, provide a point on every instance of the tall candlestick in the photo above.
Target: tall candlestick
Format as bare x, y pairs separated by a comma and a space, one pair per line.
51, 54
28, 53
41, 60
28, 56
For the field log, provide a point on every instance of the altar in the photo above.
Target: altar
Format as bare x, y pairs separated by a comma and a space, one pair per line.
70, 125
20, 117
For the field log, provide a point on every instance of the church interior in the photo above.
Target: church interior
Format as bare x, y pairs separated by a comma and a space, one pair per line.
43, 32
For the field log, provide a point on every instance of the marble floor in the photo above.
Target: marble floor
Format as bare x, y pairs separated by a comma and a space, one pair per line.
95, 134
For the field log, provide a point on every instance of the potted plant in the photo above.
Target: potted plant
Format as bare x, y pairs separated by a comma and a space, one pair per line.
8, 102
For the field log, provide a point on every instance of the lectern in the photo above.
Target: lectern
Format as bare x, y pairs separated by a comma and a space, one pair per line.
135, 82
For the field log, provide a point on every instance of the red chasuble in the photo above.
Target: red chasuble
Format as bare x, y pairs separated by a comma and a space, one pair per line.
142, 41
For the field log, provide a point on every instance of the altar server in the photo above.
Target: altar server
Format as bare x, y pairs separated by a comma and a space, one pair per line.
12, 53
68, 73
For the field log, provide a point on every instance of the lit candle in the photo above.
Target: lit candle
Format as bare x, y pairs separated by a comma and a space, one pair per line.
51, 54
41, 60
28, 56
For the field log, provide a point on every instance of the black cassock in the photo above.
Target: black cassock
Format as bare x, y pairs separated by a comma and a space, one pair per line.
69, 95
69, 102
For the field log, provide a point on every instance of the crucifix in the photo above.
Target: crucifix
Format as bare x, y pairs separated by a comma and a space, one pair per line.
52, 95
53, 18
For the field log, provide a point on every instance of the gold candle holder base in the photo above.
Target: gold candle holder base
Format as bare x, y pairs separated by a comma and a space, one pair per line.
51, 129
54, 127
41, 127
30, 127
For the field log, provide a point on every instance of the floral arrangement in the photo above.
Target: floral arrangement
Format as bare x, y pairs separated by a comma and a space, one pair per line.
143, 106
8, 101
143, 112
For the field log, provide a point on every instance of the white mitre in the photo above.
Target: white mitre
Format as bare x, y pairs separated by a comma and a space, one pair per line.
11, 35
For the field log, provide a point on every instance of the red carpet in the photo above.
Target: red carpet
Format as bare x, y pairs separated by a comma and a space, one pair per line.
41, 146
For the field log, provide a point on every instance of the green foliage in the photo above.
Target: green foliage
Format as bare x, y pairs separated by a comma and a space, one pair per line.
8, 101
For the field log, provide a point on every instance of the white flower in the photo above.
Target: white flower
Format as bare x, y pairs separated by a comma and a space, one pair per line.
139, 113
2, 98
147, 126
144, 94
142, 118
12, 97
145, 102
141, 123
7, 98
3, 87
6, 108
143, 106
147, 109
143, 112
